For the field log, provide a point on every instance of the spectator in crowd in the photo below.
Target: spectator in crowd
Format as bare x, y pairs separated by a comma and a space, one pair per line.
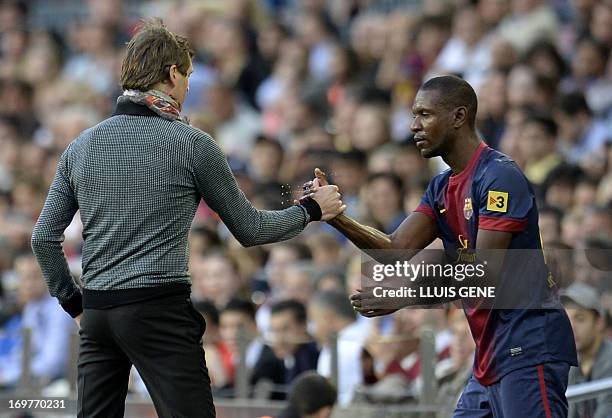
214, 277
594, 349
239, 331
11, 346
546, 60
218, 356
600, 24
384, 200
94, 63
312, 396
493, 107
289, 339
280, 258
234, 123
330, 279
325, 249
371, 128
381, 159
588, 64
49, 325
588, 272
550, 224
237, 63
409, 166
521, 86
396, 356
558, 189
299, 283
467, 52
529, 22
349, 170
538, 143
580, 132
453, 372
315, 31
203, 239
432, 33
277, 268
265, 160
585, 194
332, 316
396, 359
598, 220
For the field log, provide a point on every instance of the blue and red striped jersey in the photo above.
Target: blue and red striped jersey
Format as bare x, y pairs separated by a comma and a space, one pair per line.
492, 193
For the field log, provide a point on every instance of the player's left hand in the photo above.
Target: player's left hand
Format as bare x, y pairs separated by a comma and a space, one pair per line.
372, 313
370, 306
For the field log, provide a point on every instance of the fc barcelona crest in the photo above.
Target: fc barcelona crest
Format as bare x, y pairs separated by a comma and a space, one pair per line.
468, 210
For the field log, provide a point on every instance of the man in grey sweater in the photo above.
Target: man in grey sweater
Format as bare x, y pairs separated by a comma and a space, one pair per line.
137, 179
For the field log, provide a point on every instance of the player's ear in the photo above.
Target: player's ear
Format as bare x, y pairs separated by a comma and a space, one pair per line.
172, 74
460, 116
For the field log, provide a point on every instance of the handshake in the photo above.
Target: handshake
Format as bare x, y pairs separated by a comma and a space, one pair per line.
326, 196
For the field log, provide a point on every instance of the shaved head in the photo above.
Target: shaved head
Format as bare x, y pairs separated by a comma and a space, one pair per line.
454, 92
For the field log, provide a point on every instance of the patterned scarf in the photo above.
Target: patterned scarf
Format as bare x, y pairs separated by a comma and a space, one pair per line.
159, 102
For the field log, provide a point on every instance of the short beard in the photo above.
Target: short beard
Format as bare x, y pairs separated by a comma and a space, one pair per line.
431, 152
440, 150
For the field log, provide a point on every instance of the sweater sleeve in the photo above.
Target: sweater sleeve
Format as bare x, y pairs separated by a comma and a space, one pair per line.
48, 236
219, 189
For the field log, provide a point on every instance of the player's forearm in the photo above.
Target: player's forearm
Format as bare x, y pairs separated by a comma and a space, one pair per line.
52, 261
363, 236
269, 226
219, 189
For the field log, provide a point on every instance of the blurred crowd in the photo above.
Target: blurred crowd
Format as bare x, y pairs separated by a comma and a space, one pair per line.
285, 86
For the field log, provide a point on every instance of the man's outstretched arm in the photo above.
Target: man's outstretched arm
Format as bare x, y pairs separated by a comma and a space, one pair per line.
251, 226
416, 232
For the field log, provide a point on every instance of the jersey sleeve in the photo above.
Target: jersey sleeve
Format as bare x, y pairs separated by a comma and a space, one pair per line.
427, 203
505, 198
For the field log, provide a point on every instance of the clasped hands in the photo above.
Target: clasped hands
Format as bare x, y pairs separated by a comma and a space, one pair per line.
326, 195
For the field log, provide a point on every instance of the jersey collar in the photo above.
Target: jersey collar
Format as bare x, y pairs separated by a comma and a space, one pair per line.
456, 178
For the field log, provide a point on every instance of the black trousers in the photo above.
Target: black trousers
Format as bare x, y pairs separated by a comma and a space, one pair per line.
162, 338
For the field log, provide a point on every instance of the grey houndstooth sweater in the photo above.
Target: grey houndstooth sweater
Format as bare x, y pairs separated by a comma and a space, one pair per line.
137, 180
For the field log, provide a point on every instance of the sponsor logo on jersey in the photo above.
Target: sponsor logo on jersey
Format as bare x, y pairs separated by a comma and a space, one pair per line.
497, 201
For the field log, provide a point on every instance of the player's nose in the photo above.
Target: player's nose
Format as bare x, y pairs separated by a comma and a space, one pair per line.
416, 125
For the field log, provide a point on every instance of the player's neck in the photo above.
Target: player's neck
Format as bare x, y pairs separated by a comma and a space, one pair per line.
461, 154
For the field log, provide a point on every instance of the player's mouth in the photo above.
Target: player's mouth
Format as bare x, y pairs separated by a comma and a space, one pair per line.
421, 142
